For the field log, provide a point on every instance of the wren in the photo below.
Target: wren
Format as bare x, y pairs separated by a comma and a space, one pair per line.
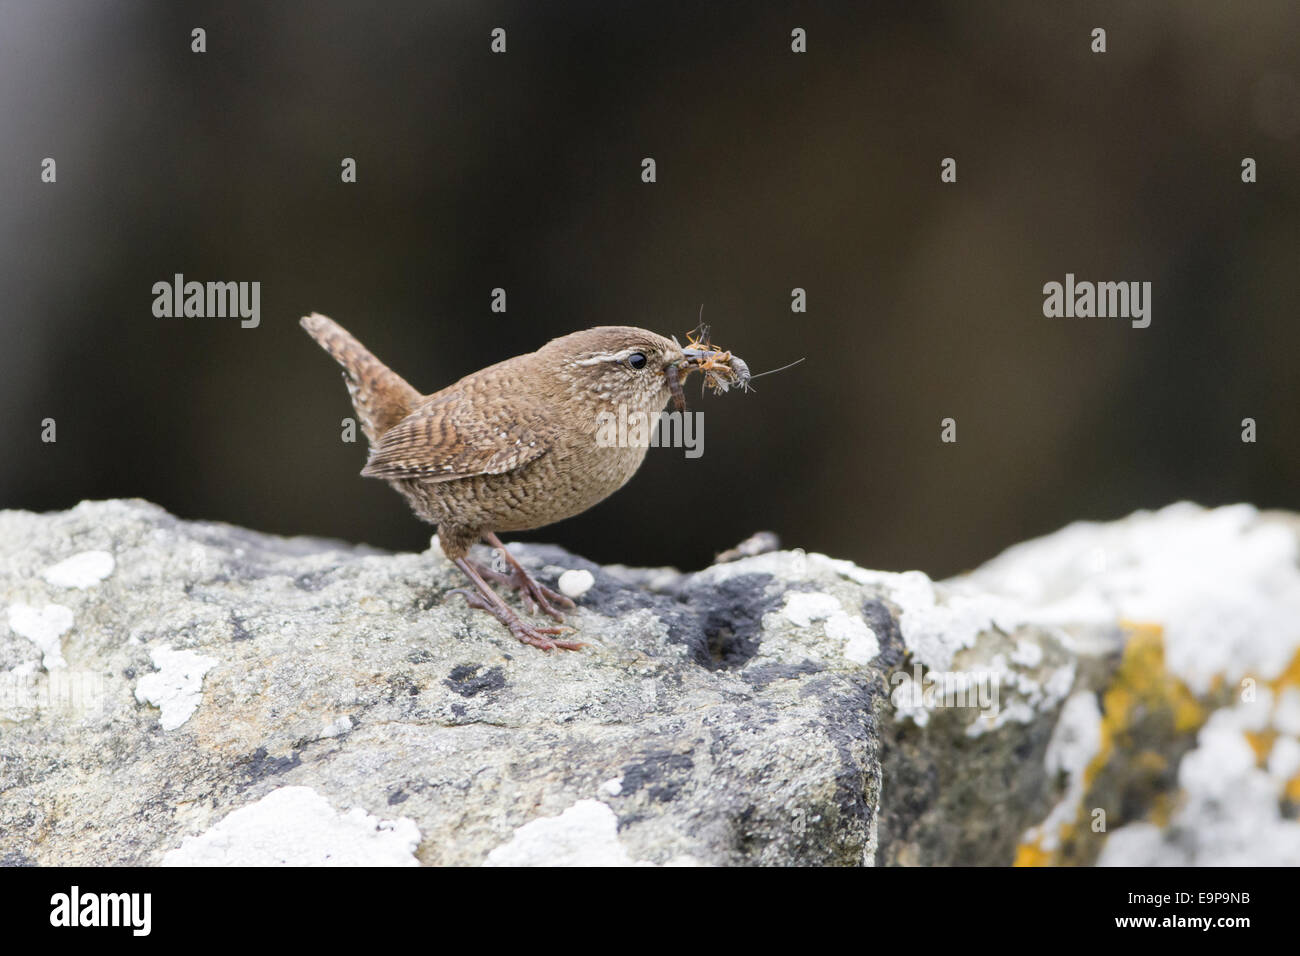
513, 447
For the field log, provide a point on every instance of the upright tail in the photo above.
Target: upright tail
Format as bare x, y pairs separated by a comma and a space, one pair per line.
381, 397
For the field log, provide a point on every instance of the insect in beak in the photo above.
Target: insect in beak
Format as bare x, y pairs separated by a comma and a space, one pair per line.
721, 369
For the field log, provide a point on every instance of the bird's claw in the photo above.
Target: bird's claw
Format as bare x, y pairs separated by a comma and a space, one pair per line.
523, 631
537, 595
536, 637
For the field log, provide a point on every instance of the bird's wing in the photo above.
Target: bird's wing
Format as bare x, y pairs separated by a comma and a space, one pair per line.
448, 437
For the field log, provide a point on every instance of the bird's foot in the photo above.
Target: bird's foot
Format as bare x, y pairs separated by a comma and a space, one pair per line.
535, 595
525, 632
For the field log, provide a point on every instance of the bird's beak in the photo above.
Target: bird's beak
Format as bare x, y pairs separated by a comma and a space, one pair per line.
721, 371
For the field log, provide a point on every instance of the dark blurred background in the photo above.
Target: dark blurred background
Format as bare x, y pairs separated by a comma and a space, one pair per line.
775, 171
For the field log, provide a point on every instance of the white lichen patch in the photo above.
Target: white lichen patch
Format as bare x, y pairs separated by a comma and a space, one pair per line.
177, 687
586, 834
804, 607
1075, 741
1284, 760
858, 643
1223, 583
1286, 713
1023, 693
1027, 654
296, 826
43, 627
82, 570
574, 584
786, 565
936, 620
1229, 810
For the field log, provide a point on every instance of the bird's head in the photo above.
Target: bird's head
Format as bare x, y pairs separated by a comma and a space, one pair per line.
622, 365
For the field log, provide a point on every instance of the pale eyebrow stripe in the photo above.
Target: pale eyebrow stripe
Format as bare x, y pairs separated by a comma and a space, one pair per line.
598, 357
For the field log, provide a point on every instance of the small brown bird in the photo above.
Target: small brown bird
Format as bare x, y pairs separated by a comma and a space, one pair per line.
514, 447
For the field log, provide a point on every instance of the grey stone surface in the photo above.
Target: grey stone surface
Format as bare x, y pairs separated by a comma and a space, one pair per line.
180, 692
317, 665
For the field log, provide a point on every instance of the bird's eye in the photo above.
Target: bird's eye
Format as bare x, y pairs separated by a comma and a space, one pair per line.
636, 360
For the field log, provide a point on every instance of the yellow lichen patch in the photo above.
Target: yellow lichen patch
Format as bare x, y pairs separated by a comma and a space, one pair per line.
1162, 808
1142, 684
1261, 743
1289, 677
1188, 712
1149, 719
1292, 791
1032, 854
1149, 761
1031, 851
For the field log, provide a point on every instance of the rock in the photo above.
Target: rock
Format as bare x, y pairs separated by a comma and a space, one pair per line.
203, 694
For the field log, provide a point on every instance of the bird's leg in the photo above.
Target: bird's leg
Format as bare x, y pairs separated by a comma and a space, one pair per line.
492, 575
511, 581
535, 594
518, 580
488, 600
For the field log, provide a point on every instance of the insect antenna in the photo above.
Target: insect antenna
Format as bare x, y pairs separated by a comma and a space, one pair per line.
772, 371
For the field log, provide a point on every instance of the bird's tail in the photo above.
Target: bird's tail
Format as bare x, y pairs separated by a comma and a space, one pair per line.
381, 397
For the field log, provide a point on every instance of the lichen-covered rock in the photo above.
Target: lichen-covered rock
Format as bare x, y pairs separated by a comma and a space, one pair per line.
1188, 750
214, 668
190, 693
